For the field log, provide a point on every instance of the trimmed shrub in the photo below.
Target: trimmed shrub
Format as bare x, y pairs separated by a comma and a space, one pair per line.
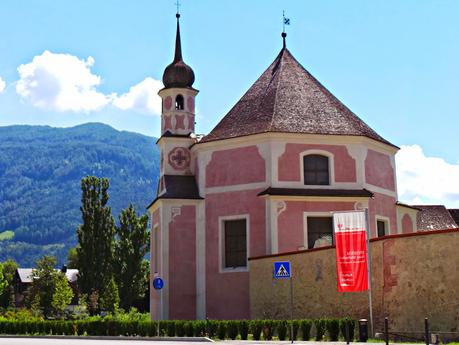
305, 326
342, 326
244, 329
212, 327
232, 329
268, 329
282, 329
320, 328
256, 327
170, 328
189, 328
221, 330
180, 328
296, 326
332, 326
199, 328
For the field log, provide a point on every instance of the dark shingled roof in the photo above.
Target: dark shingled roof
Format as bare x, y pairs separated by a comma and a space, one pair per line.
454, 212
434, 217
317, 192
179, 187
288, 99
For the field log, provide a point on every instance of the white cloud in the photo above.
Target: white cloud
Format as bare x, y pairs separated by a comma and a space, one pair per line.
61, 82
426, 180
2, 85
142, 97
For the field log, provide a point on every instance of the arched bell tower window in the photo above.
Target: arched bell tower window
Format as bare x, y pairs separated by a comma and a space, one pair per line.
179, 102
316, 170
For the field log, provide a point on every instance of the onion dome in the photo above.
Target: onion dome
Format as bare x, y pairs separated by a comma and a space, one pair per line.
178, 73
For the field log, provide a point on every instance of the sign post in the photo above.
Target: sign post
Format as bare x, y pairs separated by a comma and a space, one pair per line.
282, 270
353, 256
158, 284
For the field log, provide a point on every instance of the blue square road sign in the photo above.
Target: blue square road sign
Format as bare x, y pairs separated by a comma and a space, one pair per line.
282, 270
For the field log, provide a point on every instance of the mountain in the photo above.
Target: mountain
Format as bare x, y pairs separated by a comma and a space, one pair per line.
40, 172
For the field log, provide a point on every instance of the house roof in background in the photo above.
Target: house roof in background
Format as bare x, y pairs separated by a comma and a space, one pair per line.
454, 212
434, 217
25, 274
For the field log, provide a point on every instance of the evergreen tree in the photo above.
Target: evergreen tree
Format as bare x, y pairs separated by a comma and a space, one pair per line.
110, 300
130, 249
95, 238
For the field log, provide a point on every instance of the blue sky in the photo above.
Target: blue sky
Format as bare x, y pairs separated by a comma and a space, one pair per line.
394, 63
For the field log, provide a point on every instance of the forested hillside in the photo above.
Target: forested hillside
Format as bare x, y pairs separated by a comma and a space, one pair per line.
40, 172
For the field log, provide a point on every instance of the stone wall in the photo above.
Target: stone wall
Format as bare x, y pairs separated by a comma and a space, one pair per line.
413, 276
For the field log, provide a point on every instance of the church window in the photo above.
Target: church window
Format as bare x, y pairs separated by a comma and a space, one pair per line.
179, 102
235, 243
316, 171
382, 227
320, 232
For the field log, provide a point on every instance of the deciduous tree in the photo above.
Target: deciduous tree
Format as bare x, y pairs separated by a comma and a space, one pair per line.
95, 237
130, 249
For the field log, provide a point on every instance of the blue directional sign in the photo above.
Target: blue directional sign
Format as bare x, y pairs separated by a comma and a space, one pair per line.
158, 283
282, 270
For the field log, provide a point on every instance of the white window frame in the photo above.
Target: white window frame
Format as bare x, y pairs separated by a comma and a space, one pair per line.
331, 167
384, 219
315, 215
221, 241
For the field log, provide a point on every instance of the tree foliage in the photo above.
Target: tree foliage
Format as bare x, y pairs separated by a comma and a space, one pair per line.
63, 294
95, 237
3, 281
50, 290
7, 296
130, 249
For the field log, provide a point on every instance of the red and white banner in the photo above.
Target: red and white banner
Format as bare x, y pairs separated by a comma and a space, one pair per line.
351, 251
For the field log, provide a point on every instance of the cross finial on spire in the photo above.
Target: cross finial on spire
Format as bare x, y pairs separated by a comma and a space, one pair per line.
177, 3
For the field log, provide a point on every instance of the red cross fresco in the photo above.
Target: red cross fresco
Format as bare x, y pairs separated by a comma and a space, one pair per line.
179, 158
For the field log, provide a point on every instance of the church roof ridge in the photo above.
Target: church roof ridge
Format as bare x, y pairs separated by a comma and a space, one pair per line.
286, 98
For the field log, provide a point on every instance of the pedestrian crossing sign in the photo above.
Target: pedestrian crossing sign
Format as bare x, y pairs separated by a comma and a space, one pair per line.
282, 269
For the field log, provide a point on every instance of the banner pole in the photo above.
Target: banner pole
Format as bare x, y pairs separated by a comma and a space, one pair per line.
370, 301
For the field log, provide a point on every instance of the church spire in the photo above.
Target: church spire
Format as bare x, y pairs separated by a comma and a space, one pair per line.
178, 73
178, 44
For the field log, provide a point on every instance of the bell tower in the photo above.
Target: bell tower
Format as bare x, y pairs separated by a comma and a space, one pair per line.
177, 117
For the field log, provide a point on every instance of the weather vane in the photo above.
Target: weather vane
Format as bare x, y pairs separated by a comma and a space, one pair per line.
285, 21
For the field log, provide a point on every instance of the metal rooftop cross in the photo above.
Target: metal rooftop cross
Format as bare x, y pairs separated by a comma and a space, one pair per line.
177, 3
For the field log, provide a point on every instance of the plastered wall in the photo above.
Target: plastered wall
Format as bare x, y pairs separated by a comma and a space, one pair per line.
413, 276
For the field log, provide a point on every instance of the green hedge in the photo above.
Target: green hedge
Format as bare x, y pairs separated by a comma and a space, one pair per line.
221, 329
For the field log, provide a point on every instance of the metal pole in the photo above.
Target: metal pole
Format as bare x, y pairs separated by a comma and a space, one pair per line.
347, 332
370, 301
159, 308
426, 329
291, 307
386, 330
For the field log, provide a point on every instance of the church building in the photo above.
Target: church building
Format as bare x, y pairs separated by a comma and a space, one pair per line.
264, 181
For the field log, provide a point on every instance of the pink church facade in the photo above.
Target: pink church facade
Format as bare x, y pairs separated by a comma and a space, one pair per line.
264, 181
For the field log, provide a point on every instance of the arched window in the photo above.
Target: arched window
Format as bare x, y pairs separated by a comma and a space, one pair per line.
316, 171
179, 102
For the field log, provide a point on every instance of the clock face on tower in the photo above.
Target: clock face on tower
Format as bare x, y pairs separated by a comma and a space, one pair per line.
179, 158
